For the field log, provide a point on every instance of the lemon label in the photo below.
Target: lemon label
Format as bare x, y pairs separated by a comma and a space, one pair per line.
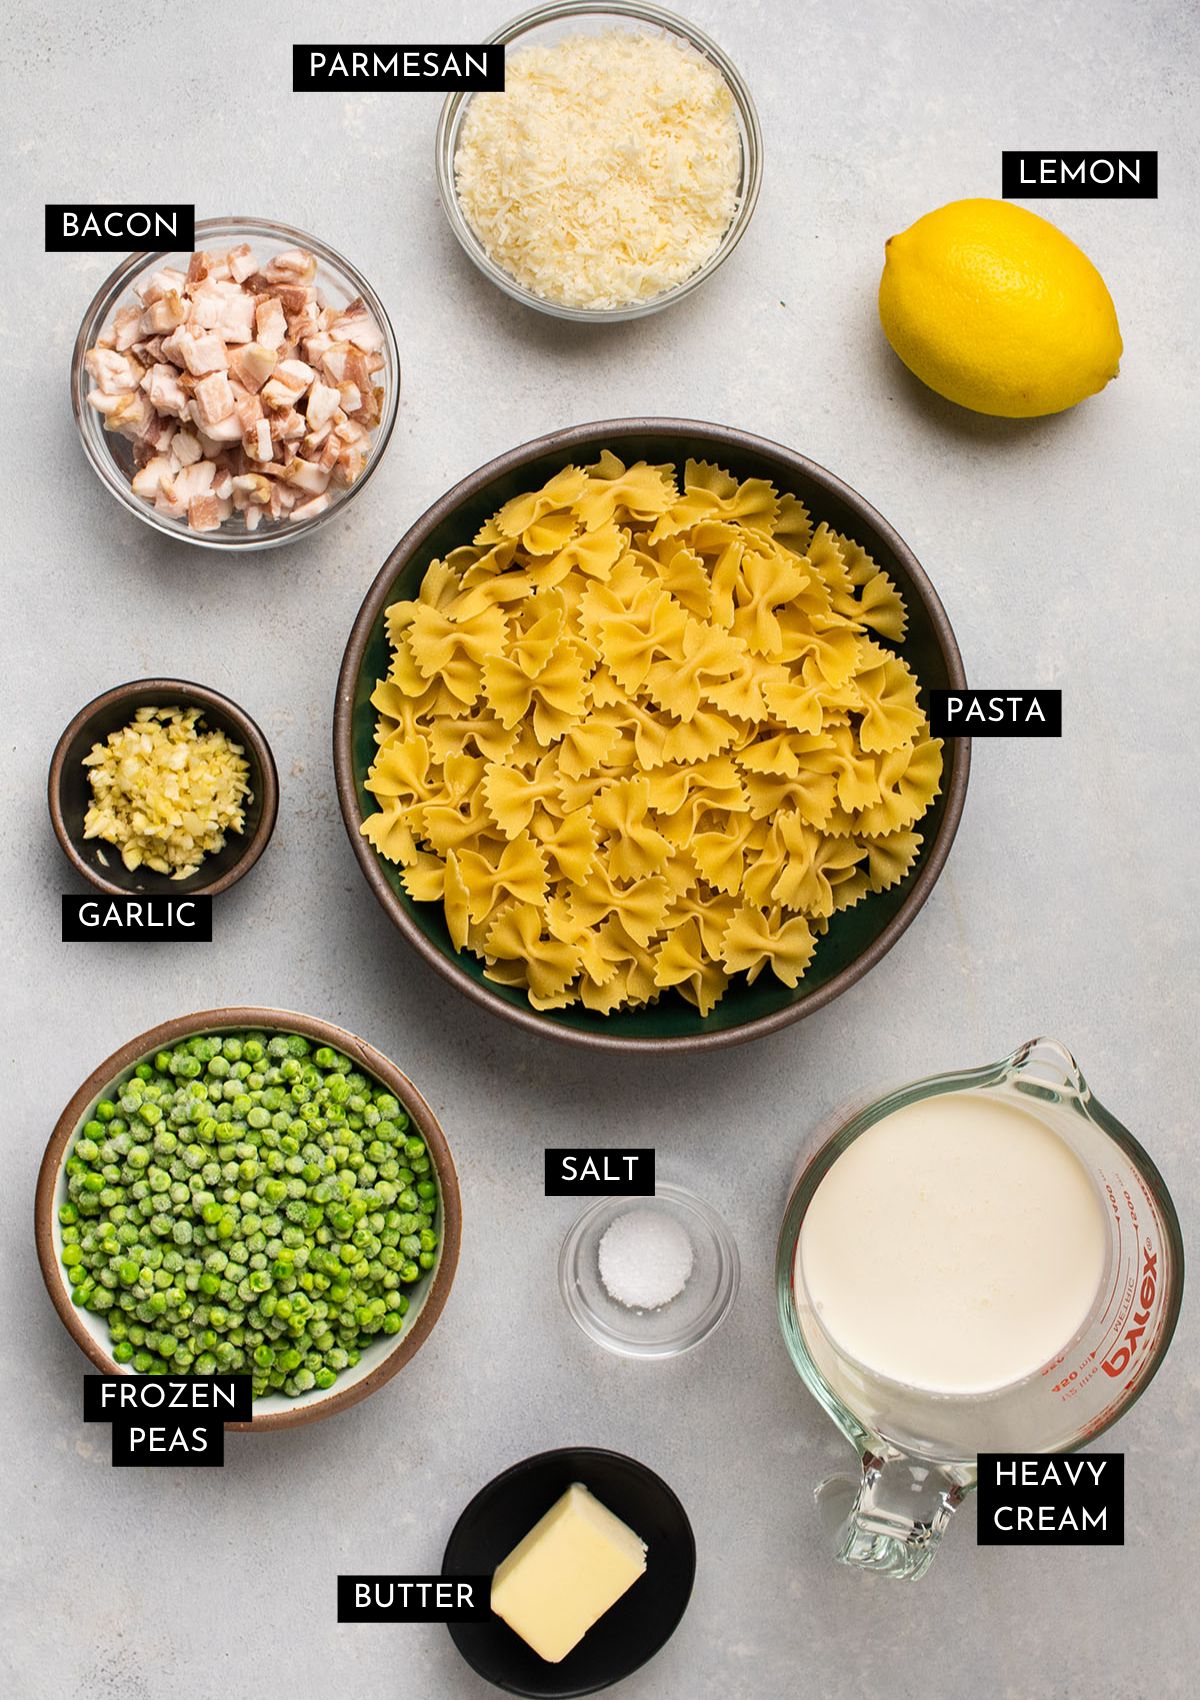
1031, 175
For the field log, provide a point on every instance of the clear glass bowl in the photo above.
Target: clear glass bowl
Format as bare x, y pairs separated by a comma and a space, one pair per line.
681, 1323
111, 456
571, 17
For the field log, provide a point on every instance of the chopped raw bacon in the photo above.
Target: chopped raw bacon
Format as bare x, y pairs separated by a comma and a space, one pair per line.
291, 265
310, 509
252, 364
271, 322
203, 353
214, 400
240, 390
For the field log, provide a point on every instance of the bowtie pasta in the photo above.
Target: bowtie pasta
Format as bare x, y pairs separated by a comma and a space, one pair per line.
637, 737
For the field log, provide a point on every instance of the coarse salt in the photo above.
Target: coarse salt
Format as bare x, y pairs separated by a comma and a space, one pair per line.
645, 1259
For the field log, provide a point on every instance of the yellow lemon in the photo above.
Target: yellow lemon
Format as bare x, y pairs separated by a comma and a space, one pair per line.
994, 308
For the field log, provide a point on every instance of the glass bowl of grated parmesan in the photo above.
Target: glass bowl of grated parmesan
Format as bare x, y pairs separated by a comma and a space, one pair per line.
616, 170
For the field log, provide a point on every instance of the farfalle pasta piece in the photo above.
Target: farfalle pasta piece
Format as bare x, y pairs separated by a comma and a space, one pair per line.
639, 737
630, 639
519, 871
513, 793
586, 744
711, 493
639, 906
391, 832
891, 713
550, 697
793, 525
568, 842
455, 650
401, 770
622, 813
767, 582
890, 858
639, 492
703, 663
908, 782
683, 961
592, 555
544, 520
758, 938
682, 572
519, 936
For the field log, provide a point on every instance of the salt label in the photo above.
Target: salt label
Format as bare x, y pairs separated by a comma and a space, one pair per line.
600, 1171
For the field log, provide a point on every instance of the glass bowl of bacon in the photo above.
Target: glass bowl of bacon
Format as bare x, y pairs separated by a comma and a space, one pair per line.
238, 395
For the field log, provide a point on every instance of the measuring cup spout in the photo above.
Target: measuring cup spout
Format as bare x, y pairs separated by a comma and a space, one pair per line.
891, 1520
1047, 1064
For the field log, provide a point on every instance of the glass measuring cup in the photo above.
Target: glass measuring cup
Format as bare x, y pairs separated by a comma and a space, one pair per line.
918, 1449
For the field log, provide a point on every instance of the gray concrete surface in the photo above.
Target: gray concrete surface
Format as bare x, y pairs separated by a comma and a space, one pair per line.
1065, 552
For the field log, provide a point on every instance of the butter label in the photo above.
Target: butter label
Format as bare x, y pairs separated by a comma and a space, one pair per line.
414, 1599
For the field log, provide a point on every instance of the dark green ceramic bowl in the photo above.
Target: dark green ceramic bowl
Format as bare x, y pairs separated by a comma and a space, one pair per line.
857, 938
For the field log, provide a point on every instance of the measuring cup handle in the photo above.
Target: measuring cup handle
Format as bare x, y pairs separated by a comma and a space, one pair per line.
891, 1519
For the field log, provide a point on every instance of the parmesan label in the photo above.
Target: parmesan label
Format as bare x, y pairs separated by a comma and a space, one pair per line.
606, 172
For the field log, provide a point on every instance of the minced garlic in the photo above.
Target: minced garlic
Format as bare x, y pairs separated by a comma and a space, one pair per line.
165, 790
606, 171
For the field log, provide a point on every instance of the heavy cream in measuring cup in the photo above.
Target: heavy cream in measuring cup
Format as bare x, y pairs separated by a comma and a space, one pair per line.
956, 1246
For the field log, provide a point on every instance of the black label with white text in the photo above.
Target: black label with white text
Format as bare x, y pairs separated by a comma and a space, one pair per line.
1031, 174
168, 1444
1051, 1499
385, 68
414, 1599
168, 1420
598, 1170
80, 229
142, 918
995, 714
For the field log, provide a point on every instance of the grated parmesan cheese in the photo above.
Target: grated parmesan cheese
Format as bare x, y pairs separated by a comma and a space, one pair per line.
607, 170
165, 792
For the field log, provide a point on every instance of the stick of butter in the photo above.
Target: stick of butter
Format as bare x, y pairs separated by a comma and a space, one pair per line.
567, 1572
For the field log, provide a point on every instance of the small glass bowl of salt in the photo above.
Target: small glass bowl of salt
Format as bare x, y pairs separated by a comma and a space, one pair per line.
649, 1277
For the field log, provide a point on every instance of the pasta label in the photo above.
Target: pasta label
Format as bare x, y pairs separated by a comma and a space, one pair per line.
646, 733
997, 714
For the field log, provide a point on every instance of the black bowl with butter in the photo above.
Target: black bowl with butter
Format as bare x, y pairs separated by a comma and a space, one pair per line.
630, 1632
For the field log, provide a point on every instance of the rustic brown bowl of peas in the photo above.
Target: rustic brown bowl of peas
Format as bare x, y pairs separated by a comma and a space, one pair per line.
250, 1191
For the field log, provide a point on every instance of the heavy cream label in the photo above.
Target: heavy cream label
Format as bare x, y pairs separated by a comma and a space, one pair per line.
1051, 1499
